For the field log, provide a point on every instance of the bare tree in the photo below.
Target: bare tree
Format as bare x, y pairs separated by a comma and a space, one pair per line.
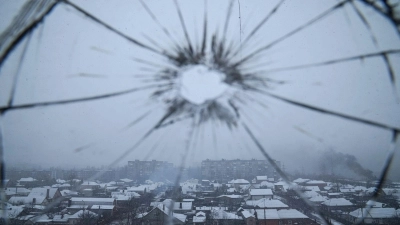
87, 218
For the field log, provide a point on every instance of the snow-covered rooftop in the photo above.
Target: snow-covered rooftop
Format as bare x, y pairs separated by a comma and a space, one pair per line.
231, 196
221, 214
78, 214
267, 214
310, 194
208, 208
375, 204
337, 202
11, 211
290, 214
102, 207
374, 213
316, 182
261, 192
87, 200
300, 180
126, 180
313, 188
239, 181
43, 192
246, 214
27, 179
15, 200
318, 198
267, 203
262, 178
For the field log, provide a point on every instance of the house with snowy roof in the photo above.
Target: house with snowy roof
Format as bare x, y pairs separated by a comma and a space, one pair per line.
208, 209
69, 193
230, 200
300, 181
127, 181
89, 185
281, 186
50, 193
199, 218
238, 183
61, 186
341, 204
97, 205
218, 216
318, 199
374, 216
37, 196
27, 181
256, 194
161, 215
265, 203
375, 204
260, 179
335, 195
283, 216
178, 207
72, 219
10, 211
312, 188
358, 189
310, 194
266, 184
248, 217
16, 191
347, 191
321, 184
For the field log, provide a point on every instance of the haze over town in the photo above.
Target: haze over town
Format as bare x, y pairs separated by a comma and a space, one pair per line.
313, 85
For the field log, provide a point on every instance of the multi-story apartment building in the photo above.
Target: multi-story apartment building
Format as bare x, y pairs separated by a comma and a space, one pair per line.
226, 170
15, 174
142, 170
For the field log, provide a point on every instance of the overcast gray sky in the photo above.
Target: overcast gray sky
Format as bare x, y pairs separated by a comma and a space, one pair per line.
70, 56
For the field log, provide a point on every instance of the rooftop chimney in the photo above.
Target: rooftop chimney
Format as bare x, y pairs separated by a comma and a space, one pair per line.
47, 193
180, 205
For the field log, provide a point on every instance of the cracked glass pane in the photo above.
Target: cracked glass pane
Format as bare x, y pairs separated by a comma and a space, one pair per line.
311, 84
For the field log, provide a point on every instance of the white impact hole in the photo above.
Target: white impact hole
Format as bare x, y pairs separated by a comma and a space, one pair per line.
200, 83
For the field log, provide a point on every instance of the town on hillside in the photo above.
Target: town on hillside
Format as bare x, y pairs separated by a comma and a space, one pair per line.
248, 192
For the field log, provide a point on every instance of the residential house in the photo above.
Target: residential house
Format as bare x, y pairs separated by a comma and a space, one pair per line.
256, 194
282, 217
28, 181
375, 216
10, 212
265, 204
318, 199
321, 184
248, 217
266, 184
104, 206
199, 218
260, 179
50, 193
238, 184
89, 185
218, 217
38, 196
16, 191
178, 207
301, 181
160, 215
230, 200
337, 204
